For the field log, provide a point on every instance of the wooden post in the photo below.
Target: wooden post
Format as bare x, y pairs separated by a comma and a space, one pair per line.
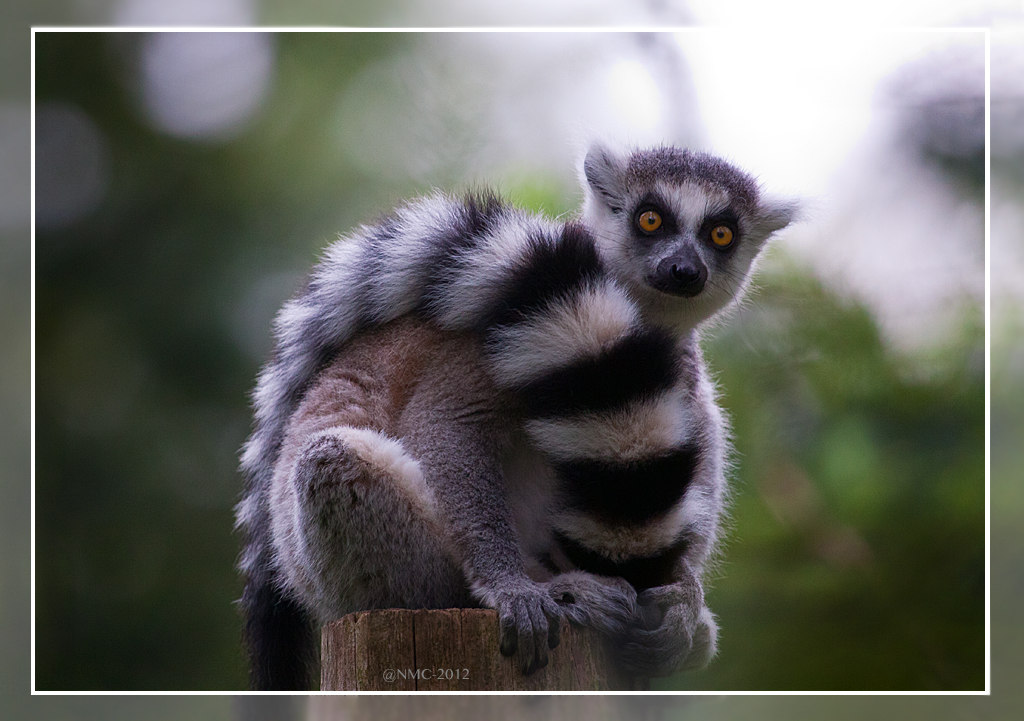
493, 708
454, 650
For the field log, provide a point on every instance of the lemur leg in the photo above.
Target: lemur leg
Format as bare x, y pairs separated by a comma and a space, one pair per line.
353, 521
389, 491
367, 529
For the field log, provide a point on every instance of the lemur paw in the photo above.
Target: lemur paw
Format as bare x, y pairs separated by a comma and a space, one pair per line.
600, 602
675, 632
528, 622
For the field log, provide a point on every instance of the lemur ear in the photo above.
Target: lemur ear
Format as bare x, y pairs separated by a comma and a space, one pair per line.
776, 213
605, 173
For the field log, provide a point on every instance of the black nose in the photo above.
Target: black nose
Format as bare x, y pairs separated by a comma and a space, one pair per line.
685, 275
680, 276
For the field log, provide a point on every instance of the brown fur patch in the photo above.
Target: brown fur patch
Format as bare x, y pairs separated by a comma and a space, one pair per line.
372, 381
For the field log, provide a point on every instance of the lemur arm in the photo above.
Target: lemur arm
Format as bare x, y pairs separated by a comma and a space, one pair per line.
457, 439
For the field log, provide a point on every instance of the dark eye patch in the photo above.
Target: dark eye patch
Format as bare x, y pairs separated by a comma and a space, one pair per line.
652, 201
728, 218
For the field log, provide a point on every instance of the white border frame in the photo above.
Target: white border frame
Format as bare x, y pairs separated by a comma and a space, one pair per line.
521, 30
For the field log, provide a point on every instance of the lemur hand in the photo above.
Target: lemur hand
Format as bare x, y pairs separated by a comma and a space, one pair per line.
674, 631
528, 621
600, 602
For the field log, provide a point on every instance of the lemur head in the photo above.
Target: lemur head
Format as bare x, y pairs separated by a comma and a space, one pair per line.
680, 229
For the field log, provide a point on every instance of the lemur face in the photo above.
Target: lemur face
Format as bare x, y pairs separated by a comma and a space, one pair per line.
681, 229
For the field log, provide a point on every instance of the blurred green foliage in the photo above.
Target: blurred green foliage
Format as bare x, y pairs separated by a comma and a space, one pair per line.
856, 553
142, 383
857, 558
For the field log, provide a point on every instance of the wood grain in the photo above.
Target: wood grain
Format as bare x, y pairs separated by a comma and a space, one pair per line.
454, 650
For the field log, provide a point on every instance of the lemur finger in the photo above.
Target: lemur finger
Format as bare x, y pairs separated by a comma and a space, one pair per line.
541, 633
508, 633
686, 592
702, 647
661, 596
527, 643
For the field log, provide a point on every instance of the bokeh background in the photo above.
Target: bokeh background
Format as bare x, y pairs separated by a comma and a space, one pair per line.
185, 182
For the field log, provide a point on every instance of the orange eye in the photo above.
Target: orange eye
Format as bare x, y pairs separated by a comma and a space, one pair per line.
649, 221
721, 235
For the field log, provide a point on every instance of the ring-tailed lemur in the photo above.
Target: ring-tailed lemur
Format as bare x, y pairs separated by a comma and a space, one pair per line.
472, 405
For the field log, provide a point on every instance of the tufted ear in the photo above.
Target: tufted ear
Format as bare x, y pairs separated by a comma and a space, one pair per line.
776, 213
605, 172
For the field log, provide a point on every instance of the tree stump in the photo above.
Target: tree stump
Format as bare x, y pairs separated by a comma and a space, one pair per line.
455, 650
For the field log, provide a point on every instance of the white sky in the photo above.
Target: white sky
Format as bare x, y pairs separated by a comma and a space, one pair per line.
864, 13
793, 104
